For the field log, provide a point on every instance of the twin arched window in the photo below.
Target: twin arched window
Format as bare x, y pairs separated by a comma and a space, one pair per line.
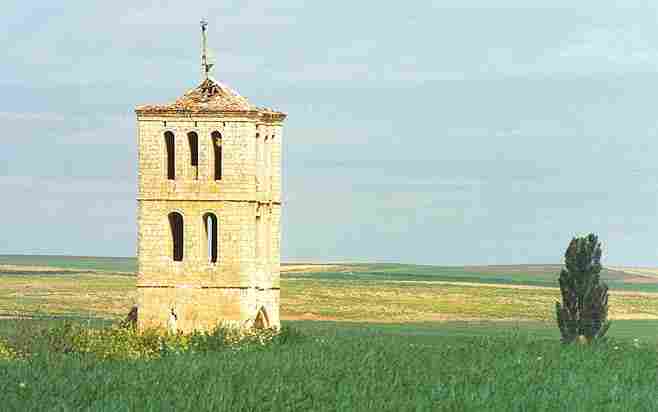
193, 141
211, 226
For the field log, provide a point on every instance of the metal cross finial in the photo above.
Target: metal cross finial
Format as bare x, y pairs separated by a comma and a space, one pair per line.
205, 66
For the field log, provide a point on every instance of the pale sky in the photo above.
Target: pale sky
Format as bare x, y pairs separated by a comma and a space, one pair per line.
434, 132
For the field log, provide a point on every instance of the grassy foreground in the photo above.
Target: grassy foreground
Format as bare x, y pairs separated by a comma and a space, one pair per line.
350, 368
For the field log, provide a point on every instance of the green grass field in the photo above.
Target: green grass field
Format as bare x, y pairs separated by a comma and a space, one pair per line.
376, 337
355, 367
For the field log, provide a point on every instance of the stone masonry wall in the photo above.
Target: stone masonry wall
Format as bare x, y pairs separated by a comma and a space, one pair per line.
204, 308
245, 277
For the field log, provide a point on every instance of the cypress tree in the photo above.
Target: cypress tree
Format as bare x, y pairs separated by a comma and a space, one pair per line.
583, 312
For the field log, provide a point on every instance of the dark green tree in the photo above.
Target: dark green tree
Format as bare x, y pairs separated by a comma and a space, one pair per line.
583, 313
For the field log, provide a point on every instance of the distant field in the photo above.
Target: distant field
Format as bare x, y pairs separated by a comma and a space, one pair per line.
409, 302
32, 263
105, 288
111, 264
629, 278
529, 275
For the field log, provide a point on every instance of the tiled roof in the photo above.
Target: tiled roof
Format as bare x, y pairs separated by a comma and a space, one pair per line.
210, 95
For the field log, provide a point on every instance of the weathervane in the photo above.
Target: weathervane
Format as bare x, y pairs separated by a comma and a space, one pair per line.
205, 66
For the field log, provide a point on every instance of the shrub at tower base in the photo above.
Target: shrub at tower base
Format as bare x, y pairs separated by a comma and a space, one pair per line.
583, 313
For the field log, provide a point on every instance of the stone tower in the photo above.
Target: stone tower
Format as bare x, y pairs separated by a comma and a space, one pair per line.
209, 208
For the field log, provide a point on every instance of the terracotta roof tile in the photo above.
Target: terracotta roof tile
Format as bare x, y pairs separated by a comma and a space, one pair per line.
210, 95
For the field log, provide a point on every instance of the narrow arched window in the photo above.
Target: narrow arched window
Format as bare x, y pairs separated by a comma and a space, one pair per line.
193, 140
216, 138
176, 226
170, 147
212, 236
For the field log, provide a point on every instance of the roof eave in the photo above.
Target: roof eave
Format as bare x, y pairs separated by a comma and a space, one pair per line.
169, 112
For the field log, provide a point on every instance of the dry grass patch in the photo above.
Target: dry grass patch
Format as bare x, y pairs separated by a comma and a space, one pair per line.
651, 273
422, 301
107, 296
305, 268
111, 296
17, 269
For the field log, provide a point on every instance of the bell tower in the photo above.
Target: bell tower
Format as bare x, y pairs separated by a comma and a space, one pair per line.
209, 209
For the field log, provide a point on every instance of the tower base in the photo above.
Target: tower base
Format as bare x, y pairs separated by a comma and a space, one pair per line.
203, 308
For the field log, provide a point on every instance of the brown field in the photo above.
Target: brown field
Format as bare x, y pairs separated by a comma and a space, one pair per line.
18, 269
647, 273
315, 267
285, 268
627, 273
67, 292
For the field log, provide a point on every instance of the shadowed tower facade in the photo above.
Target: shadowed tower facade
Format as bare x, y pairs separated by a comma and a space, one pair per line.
209, 209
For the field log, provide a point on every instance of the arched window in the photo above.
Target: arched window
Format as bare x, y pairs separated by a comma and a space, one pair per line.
193, 139
170, 146
217, 151
212, 240
176, 226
